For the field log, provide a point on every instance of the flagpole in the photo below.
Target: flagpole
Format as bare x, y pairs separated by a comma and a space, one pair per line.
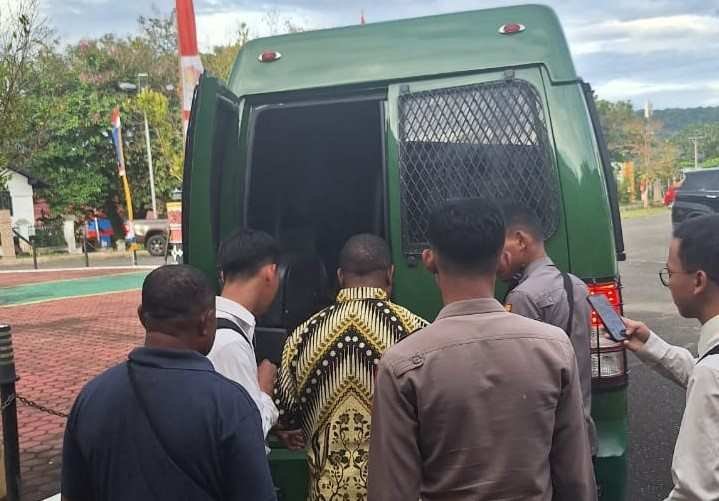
120, 157
190, 62
128, 198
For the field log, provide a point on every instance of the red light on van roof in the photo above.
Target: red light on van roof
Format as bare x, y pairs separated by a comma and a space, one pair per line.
269, 56
511, 28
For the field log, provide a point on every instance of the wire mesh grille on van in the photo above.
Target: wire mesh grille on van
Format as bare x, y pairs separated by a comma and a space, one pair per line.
484, 140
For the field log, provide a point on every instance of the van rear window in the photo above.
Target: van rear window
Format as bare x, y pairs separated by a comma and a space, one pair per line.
483, 140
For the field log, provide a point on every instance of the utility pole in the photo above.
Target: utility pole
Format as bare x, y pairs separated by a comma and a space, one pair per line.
149, 149
696, 140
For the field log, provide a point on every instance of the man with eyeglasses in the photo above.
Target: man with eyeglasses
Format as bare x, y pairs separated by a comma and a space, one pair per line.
692, 275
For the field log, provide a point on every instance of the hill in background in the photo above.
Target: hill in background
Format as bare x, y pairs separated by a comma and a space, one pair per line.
676, 119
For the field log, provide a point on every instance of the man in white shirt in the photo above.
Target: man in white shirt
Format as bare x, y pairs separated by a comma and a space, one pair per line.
692, 275
247, 260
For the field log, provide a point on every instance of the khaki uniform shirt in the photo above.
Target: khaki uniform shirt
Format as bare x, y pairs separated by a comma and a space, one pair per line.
480, 405
326, 382
541, 296
695, 466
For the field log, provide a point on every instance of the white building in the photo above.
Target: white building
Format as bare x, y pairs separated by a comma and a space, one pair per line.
17, 195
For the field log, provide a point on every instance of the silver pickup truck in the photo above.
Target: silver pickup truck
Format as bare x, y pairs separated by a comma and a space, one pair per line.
153, 234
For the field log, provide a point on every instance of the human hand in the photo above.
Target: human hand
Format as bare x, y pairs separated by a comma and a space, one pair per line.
637, 334
266, 376
293, 439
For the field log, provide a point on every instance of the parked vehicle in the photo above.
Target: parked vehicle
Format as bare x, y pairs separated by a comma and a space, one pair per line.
697, 196
153, 234
324, 134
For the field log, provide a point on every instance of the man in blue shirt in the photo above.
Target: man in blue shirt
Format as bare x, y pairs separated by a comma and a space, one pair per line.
164, 425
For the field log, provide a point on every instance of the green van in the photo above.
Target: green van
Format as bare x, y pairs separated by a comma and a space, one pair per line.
325, 134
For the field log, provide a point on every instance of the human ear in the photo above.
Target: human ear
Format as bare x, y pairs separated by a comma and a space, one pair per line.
701, 281
429, 259
141, 315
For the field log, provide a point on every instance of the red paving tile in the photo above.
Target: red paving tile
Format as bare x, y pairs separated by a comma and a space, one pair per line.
60, 345
34, 277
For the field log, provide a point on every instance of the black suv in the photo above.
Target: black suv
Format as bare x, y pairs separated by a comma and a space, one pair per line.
697, 196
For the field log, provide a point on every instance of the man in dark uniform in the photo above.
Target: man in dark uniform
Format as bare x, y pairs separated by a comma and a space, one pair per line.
164, 425
543, 292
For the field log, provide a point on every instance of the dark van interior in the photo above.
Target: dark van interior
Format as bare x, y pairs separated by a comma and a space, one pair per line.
316, 178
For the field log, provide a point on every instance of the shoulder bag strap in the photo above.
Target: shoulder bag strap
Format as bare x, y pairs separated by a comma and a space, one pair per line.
224, 323
713, 351
143, 406
569, 290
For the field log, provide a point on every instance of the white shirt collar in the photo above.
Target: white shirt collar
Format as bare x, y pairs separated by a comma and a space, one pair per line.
227, 308
709, 335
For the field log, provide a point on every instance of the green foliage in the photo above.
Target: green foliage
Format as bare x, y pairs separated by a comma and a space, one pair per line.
708, 147
621, 127
56, 117
23, 35
219, 62
677, 119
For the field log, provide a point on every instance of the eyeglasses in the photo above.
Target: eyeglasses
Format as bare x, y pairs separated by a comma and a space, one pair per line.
665, 275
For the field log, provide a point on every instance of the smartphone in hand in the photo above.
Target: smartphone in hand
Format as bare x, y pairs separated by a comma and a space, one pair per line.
609, 317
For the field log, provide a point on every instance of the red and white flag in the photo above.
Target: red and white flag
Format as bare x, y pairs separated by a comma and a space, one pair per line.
117, 140
190, 63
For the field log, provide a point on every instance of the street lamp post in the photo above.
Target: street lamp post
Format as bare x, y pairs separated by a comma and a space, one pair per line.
129, 87
696, 140
149, 150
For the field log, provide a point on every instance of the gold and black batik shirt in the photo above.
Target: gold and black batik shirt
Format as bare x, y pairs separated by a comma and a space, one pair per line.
326, 382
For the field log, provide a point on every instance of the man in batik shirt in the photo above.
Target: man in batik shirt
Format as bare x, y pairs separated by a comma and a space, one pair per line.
326, 378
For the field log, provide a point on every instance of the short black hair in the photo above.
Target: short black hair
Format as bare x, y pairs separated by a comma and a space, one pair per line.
699, 245
173, 293
468, 234
245, 251
517, 216
364, 254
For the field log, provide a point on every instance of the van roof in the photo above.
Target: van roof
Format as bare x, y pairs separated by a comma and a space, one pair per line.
405, 49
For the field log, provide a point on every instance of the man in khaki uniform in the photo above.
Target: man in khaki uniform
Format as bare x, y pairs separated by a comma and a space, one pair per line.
543, 292
482, 404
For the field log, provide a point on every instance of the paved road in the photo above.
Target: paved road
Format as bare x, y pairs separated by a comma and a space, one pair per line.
655, 404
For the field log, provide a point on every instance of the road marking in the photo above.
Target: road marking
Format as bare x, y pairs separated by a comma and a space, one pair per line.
5, 306
78, 287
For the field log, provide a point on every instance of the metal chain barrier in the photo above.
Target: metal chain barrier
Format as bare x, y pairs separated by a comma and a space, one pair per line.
40, 407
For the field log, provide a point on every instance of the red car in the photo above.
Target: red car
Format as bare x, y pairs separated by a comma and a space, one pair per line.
671, 194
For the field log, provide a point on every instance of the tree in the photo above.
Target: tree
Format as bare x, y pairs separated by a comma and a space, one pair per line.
66, 136
708, 147
622, 129
221, 59
23, 35
219, 62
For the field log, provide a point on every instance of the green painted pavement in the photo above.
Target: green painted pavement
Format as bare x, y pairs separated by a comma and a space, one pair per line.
59, 289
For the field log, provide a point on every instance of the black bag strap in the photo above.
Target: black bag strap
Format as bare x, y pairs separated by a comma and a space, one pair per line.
713, 351
143, 406
224, 323
569, 290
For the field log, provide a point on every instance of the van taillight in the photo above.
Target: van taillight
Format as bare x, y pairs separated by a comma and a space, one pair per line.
609, 358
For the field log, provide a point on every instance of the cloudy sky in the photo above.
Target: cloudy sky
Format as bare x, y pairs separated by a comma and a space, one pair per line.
666, 51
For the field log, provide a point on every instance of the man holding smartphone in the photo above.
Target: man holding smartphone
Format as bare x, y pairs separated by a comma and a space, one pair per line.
692, 275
